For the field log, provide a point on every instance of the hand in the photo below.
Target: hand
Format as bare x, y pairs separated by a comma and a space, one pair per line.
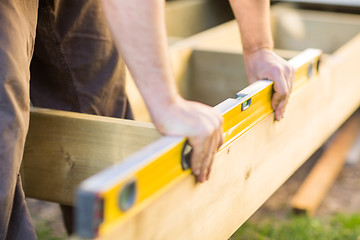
265, 64
201, 124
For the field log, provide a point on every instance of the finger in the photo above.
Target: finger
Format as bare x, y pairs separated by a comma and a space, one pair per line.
210, 166
217, 125
219, 117
197, 155
208, 173
205, 169
207, 161
280, 110
219, 138
281, 94
218, 133
200, 146
291, 78
277, 98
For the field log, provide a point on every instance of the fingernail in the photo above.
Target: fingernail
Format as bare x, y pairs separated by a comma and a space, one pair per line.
197, 172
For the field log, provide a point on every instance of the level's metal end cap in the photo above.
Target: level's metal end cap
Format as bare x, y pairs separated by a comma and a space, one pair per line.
85, 223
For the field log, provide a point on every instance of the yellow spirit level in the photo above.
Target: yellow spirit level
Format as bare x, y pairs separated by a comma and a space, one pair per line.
117, 193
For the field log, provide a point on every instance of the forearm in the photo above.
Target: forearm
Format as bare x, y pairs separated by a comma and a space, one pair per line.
138, 28
253, 17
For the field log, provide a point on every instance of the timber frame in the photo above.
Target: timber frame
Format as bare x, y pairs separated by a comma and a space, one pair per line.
64, 148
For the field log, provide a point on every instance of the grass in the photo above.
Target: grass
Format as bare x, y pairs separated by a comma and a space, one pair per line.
337, 227
44, 232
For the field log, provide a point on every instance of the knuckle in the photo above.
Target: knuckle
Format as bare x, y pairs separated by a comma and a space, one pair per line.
206, 131
288, 69
277, 72
283, 92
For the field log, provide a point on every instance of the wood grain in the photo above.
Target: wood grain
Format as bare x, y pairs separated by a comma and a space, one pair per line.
64, 148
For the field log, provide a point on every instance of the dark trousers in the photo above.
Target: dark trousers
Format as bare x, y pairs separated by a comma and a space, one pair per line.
60, 54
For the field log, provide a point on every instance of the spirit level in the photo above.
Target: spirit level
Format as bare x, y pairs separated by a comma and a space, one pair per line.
117, 193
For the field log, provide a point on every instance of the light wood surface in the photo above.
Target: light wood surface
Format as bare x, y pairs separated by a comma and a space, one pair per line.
313, 190
246, 173
64, 148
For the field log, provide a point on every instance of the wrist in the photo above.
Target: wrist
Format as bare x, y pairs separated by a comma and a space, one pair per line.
248, 51
159, 104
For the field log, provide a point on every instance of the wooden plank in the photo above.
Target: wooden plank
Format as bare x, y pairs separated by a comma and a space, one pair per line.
257, 163
353, 156
301, 29
323, 174
185, 18
64, 148
216, 74
337, 3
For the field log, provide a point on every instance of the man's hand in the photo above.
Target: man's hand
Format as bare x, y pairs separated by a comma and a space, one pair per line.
203, 127
253, 17
265, 64
138, 28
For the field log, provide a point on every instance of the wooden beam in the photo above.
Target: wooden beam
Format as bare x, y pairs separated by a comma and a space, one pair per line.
185, 18
247, 172
327, 3
353, 156
303, 29
64, 148
216, 74
318, 182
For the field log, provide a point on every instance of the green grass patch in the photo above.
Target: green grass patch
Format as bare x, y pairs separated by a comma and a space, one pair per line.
337, 227
44, 232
